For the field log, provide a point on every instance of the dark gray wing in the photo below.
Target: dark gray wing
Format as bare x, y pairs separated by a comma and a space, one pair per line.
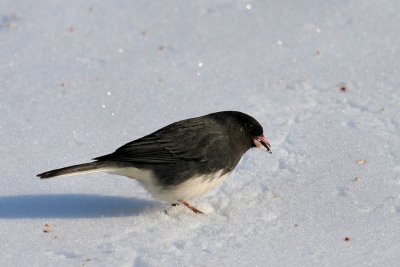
187, 140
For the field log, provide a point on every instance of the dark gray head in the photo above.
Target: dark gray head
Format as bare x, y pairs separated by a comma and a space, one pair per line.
245, 125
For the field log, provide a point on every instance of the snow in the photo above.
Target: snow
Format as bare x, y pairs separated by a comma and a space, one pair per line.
78, 79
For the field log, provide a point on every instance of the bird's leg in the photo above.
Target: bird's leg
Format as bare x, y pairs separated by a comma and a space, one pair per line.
194, 209
172, 205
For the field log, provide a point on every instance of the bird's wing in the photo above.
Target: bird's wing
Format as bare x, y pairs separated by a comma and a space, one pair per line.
187, 140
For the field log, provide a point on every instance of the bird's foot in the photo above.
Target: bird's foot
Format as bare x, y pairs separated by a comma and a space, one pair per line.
172, 205
194, 209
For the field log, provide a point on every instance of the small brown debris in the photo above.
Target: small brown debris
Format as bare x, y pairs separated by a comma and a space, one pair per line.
318, 53
46, 228
361, 161
71, 29
85, 261
161, 48
276, 197
343, 89
63, 84
15, 15
347, 238
357, 178
10, 25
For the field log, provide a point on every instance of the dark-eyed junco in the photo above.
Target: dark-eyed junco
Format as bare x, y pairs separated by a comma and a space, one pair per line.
182, 160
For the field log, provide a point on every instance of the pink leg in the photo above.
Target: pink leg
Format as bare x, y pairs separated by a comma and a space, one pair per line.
194, 209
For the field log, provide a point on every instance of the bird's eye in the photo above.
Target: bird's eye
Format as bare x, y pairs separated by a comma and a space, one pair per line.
249, 126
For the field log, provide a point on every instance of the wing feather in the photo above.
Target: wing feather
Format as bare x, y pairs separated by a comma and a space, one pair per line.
186, 140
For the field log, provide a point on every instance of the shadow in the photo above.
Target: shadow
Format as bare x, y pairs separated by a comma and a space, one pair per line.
71, 206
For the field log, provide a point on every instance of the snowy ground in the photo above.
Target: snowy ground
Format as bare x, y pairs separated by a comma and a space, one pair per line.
80, 78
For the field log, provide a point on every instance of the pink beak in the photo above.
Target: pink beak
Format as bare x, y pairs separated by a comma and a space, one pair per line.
262, 143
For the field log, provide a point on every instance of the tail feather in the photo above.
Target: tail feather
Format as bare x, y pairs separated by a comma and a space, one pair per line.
85, 168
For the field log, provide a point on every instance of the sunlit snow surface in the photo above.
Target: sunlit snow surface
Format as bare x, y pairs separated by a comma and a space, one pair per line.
80, 78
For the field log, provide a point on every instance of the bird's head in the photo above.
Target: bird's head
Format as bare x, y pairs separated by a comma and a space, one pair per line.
252, 130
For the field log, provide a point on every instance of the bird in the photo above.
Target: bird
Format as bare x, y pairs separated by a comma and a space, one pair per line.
182, 160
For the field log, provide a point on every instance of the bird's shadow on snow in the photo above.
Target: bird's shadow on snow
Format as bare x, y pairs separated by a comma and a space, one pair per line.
71, 206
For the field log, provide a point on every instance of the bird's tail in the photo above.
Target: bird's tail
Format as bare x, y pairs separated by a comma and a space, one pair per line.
91, 167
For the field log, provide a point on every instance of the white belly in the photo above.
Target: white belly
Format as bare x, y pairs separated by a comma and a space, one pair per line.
192, 188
